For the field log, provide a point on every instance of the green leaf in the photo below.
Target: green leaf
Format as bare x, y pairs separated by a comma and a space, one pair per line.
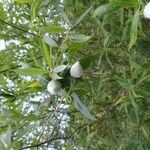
83, 16
35, 85
90, 137
144, 93
4, 68
6, 94
146, 131
35, 8
2, 80
81, 107
59, 68
6, 137
142, 2
55, 76
2, 13
31, 71
52, 29
102, 10
50, 41
79, 38
23, 1
134, 29
113, 6
47, 54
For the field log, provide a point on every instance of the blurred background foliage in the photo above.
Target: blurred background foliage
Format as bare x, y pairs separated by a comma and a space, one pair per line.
111, 39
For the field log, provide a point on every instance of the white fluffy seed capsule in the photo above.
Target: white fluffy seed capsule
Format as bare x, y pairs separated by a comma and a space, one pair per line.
76, 70
147, 11
54, 87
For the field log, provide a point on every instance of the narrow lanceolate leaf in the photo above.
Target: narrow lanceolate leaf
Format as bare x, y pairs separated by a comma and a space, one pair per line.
112, 6
55, 76
36, 4
134, 29
52, 29
31, 71
142, 2
83, 16
49, 41
2, 13
79, 38
145, 131
59, 68
35, 85
47, 55
6, 94
81, 107
23, 1
102, 10
6, 137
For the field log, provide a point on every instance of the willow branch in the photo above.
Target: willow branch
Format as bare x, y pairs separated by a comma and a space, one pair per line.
16, 27
45, 142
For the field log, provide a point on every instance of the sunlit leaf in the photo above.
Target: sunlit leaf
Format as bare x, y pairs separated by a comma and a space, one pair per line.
31, 71
52, 29
55, 76
23, 1
59, 68
79, 38
35, 85
35, 7
2, 13
50, 41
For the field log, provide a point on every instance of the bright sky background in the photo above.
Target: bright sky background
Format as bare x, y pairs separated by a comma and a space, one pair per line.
2, 44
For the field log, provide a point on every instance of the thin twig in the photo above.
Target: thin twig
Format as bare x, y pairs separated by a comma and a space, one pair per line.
45, 142
49, 117
58, 138
14, 26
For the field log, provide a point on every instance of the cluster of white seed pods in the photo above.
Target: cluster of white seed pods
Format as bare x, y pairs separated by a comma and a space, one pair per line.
76, 71
147, 11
